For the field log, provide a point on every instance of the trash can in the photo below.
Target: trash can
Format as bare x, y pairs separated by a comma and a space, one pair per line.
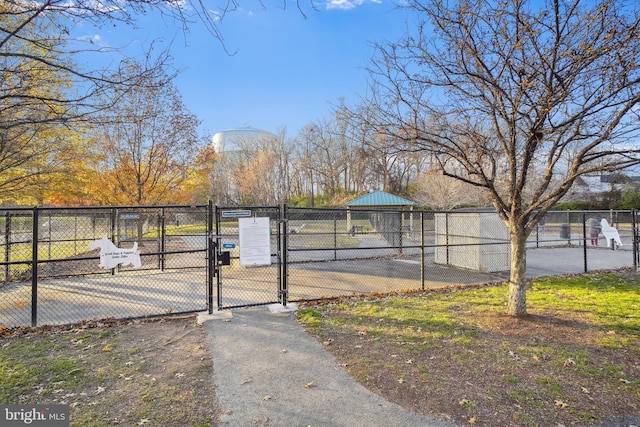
565, 232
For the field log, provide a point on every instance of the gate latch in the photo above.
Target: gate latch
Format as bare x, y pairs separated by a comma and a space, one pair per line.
224, 258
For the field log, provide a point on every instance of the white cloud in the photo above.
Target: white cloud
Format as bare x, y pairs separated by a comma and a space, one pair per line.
91, 38
348, 4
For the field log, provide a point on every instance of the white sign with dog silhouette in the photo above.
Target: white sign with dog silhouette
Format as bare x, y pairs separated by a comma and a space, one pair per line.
111, 255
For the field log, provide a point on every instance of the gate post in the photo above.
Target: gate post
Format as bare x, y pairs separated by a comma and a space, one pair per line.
584, 240
634, 226
210, 255
283, 292
115, 231
34, 269
7, 244
422, 272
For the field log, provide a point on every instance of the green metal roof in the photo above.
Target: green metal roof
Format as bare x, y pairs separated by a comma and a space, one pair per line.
379, 198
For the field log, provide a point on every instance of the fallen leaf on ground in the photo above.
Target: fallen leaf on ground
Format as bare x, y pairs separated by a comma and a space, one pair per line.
560, 404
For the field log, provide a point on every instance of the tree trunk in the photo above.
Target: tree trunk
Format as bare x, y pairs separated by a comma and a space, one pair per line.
517, 304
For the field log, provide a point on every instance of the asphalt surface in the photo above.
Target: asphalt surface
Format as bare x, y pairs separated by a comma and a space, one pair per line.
269, 372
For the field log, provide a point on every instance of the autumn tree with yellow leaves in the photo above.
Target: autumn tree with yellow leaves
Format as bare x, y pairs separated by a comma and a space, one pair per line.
147, 142
36, 143
49, 96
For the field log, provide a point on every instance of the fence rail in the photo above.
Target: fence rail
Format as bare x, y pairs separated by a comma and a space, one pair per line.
48, 274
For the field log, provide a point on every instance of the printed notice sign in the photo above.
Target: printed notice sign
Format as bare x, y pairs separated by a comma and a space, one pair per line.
255, 241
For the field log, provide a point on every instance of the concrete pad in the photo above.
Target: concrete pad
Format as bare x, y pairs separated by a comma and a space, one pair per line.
216, 315
279, 308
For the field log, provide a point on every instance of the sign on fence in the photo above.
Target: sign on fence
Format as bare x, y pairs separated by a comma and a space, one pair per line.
236, 214
255, 241
111, 255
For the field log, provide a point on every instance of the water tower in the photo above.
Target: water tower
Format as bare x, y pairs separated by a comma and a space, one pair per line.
236, 140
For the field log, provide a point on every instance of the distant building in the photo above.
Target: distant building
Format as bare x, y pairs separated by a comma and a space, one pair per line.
593, 186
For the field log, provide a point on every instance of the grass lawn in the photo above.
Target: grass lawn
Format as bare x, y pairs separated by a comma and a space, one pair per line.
155, 372
575, 360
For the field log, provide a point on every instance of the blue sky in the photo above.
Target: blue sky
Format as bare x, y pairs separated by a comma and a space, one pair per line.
288, 70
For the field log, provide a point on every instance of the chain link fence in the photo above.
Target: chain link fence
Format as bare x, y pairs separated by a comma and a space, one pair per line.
49, 275
571, 228
190, 256
341, 252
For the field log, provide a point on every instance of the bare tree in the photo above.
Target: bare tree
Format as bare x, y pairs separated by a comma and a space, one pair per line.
37, 48
302, 164
263, 178
148, 143
391, 169
257, 170
282, 149
324, 156
505, 90
437, 191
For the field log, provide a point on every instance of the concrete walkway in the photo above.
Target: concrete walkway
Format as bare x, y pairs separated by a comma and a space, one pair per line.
270, 372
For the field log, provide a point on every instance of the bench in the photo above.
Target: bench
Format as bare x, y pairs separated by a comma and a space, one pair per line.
357, 229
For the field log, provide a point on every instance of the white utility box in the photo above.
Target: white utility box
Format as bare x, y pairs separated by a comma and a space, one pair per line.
484, 238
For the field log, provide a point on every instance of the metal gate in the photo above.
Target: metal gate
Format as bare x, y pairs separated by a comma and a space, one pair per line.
234, 285
50, 269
